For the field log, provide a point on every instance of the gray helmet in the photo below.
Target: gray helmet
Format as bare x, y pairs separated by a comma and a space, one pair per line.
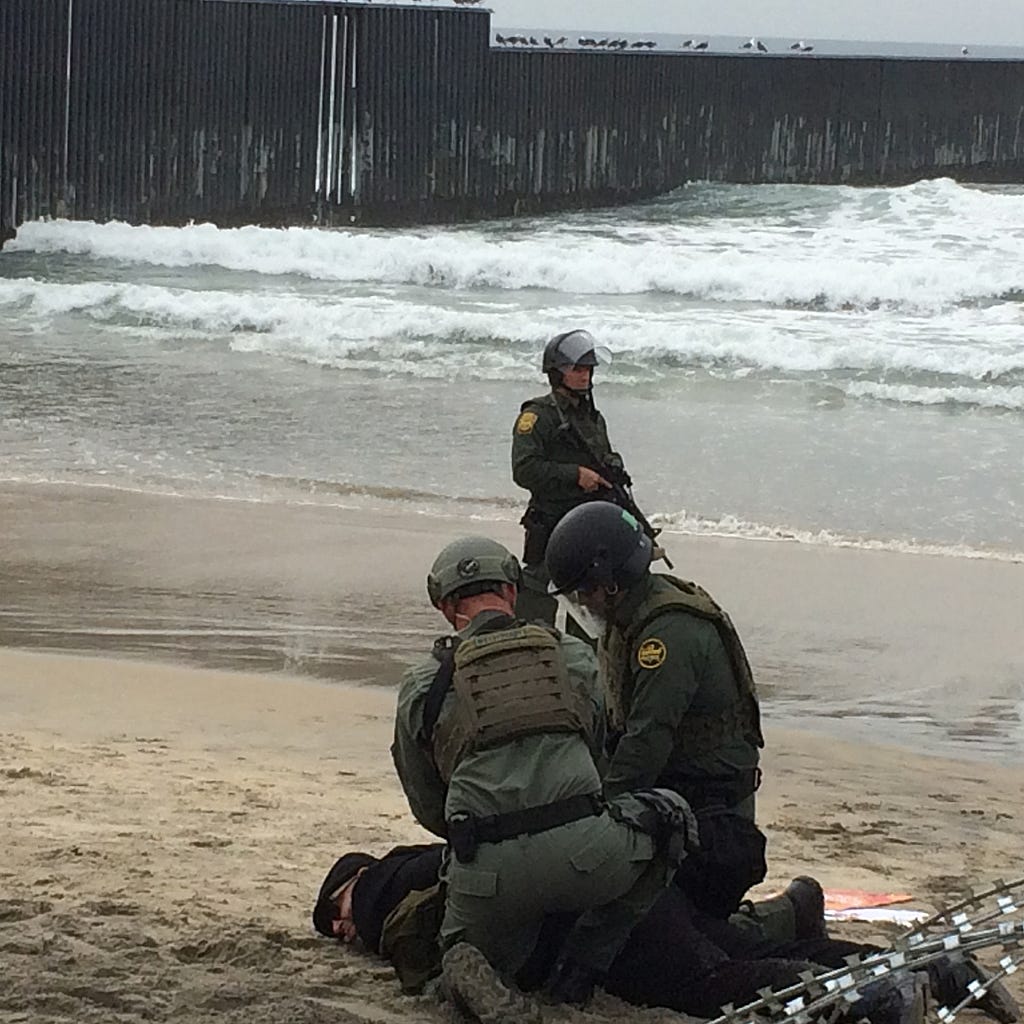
574, 348
470, 560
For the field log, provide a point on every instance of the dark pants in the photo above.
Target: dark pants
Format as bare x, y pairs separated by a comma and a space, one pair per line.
675, 956
669, 962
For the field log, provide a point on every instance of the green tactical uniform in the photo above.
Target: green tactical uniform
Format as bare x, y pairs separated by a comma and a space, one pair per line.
595, 864
681, 702
683, 707
546, 456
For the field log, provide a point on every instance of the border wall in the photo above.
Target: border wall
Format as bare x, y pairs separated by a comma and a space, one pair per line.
277, 112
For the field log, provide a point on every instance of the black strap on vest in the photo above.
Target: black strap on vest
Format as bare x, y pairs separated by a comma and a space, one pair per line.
444, 651
438, 691
466, 833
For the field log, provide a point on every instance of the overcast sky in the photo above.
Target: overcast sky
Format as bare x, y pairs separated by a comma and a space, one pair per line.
992, 22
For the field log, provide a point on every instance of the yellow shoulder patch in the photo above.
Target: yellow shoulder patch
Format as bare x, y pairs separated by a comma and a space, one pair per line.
524, 425
651, 653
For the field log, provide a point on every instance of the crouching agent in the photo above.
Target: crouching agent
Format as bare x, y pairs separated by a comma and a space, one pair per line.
682, 701
495, 739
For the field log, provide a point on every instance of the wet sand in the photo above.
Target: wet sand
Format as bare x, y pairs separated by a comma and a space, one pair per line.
922, 652
165, 827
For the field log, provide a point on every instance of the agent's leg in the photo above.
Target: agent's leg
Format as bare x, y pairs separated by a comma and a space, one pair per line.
483, 909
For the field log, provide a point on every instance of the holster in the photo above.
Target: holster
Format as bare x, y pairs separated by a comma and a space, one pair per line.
538, 529
462, 838
730, 860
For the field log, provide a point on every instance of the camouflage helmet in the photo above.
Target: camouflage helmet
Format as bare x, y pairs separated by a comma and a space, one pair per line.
470, 560
573, 348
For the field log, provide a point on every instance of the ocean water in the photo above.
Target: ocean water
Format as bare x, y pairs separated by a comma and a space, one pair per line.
835, 365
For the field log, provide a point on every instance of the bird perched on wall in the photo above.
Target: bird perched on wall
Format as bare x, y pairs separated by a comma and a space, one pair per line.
687, 43
753, 43
964, 50
702, 45
801, 46
560, 41
761, 47
500, 39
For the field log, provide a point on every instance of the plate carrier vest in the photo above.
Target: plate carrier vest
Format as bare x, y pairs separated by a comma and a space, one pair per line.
697, 734
509, 681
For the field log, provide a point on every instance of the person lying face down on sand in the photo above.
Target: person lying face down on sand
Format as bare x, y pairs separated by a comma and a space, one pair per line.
391, 906
382, 884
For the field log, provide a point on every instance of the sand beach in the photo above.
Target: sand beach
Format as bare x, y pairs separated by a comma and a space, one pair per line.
195, 713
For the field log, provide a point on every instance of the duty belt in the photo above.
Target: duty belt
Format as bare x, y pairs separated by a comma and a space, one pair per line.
708, 790
466, 833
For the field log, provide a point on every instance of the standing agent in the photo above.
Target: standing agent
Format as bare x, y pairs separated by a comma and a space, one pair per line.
561, 454
494, 745
682, 706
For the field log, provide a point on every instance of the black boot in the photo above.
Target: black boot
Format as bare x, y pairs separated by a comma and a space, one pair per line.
950, 977
808, 899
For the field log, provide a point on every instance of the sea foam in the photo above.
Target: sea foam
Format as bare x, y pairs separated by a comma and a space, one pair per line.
926, 247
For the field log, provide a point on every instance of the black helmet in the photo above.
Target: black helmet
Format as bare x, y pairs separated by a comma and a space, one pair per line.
574, 348
597, 544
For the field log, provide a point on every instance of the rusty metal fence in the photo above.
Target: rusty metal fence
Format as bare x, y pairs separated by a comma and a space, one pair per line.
279, 112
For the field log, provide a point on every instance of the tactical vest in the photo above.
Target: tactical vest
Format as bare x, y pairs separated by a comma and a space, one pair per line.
507, 684
697, 734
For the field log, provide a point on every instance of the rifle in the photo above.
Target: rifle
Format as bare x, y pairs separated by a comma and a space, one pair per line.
611, 467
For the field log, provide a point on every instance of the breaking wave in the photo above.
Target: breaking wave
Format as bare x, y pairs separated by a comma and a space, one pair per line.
973, 358
926, 247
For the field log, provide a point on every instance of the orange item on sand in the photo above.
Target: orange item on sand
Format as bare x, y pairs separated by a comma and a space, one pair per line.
857, 899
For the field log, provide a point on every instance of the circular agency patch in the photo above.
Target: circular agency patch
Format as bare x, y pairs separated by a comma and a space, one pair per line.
652, 653
524, 425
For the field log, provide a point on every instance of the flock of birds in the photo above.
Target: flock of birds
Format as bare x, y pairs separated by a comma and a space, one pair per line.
698, 45
583, 41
